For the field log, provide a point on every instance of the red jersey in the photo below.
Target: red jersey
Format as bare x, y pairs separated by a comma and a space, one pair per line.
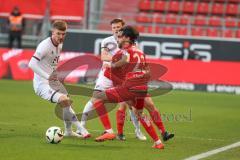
130, 72
133, 84
115, 74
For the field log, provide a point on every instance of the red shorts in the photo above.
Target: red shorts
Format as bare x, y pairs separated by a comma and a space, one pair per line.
122, 94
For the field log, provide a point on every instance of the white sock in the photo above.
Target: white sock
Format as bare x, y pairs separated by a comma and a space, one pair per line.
88, 107
134, 119
68, 126
69, 115
158, 142
109, 130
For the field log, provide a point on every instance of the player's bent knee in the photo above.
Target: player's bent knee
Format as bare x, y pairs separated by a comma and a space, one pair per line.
64, 101
123, 106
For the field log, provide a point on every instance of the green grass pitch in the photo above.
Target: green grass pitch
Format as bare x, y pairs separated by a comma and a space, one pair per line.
201, 122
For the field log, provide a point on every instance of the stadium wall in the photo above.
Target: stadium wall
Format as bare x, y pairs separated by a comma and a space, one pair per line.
214, 76
161, 46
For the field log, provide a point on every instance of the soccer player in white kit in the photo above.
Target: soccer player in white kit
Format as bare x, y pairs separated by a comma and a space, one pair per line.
109, 47
46, 84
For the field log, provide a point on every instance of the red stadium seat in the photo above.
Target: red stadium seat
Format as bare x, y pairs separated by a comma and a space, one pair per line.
144, 18
185, 19
182, 30
157, 29
145, 5
232, 9
72, 11
188, 7
150, 29
158, 18
168, 30
218, 8
159, 5
198, 31
174, 6
29, 8
215, 21
203, 7
230, 22
200, 20
140, 28
212, 32
171, 19
228, 33
238, 34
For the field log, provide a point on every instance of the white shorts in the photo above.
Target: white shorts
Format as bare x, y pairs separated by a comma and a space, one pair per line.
102, 82
51, 93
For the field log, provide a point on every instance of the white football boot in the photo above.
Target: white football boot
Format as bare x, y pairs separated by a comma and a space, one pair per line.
140, 135
83, 132
71, 134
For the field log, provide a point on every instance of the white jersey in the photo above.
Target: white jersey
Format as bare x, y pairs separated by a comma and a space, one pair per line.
102, 82
48, 55
111, 44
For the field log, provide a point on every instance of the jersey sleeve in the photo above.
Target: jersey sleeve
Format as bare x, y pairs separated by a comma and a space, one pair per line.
40, 52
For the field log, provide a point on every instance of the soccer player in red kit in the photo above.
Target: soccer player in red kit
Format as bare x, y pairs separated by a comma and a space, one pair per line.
130, 76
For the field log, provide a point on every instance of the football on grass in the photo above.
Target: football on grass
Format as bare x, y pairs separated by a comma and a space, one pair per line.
54, 135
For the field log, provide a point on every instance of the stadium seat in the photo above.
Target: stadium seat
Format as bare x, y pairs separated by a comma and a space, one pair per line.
144, 5
198, 31
212, 32
158, 18
238, 34
159, 5
232, 9
203, 7
181, 30
185, 19
29, 8
171, 18
230, 22
143, 17
228, 33
217, 8
140, 28
200, 20
150, 29
168, 30
215, 21
188, 7
174, 6
157, 29
74, 10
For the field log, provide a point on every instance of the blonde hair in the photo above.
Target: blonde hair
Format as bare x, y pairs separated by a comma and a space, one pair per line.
60, 25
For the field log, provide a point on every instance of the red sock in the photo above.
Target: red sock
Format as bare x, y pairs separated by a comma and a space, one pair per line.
102, 113
147, 124
156, 118
120, 115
